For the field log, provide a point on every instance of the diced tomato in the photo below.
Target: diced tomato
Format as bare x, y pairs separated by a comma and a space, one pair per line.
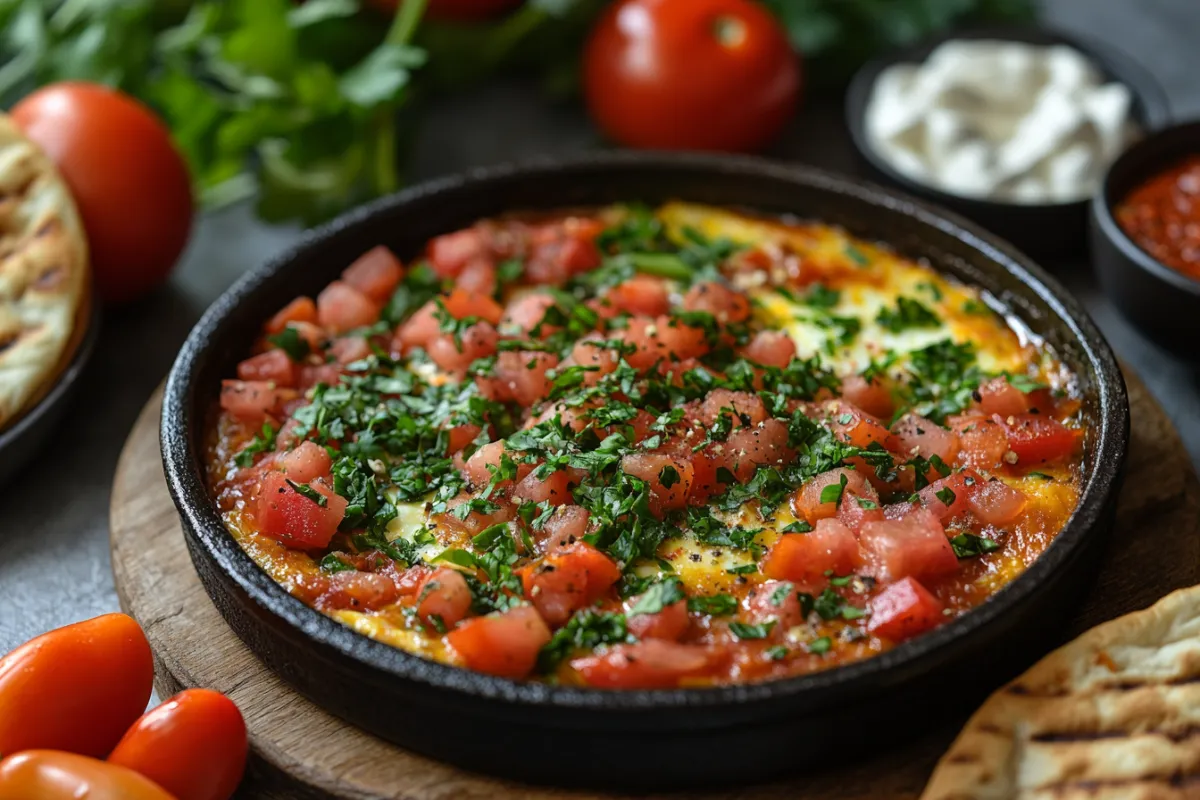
904, 610
443, 599
461, 304
567, 580
476, 521
641, 294
566, 525
460, 436
652, 664
556, 254
807, 504
478, 276
680, 340
450, 252
341, 307
854, 511
771, 349
725, 304
775, 600
302, 309
504, 644
804, 558
526, 313
418, 330
856, 427
289, 517
251, 401
996, 503
662, 338
357, 591
998, 396
915, 546
273, 366
376, 273
598, 358
456, 354
747, 449
483, 463
918, 436
1038, 439
519, 376
669, 478
946, 497
982, 441
349, 349
554, 489
306, 463
670, 623
573, 418
872, 396
746, 408
328, 374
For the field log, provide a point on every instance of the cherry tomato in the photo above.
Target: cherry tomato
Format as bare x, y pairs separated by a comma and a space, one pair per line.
129, 181
690, 74
78, 688
54, 775
456, 10
164, 743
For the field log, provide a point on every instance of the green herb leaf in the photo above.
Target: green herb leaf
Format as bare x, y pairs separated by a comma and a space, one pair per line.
909, 313
969, 545
308, 492
719, 605
746, 631
291, 342
657, 597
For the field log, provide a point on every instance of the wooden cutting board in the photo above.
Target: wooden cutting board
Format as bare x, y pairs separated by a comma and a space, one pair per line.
300, 751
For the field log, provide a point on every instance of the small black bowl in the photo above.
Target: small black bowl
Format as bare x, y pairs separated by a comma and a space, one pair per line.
1164, 303
26, 437
1048, 229
663, 738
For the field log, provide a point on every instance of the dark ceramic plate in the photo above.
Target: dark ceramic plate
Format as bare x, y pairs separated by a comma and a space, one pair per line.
1049, 229
664, 738
27, 437
1161, 301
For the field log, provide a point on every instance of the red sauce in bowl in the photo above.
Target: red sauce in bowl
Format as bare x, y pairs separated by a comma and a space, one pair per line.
1162, 216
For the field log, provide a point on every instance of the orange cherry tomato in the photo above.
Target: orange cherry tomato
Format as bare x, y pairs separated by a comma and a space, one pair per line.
690, 74
54, 775
78, 688
130, 183
164, 744
456, 10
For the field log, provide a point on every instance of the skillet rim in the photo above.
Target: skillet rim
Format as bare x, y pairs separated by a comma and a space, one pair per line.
207, 535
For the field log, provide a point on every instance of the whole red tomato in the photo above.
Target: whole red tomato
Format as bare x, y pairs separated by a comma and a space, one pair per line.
78, 688
53, 775
456, 10
690, 74
129, 181
163, 745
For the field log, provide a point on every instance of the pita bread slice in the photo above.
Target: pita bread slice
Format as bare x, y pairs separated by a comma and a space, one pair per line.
43, 273
1113, 715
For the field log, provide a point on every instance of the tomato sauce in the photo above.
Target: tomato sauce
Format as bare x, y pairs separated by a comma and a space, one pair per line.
645, 449
1163, 216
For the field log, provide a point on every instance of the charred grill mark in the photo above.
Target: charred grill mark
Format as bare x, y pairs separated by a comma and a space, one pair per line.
1055, 737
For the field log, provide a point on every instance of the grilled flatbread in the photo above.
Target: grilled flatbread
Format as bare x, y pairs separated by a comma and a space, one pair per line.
43, 273
1114, 715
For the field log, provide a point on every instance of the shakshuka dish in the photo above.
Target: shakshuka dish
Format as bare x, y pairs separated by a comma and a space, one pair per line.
645, 448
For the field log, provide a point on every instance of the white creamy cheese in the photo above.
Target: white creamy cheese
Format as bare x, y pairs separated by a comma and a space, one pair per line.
1000, 120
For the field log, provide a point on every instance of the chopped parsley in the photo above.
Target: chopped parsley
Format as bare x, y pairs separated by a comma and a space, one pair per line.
968, 545
263, 442
584, 631
657, 597
718, 605
744, 631
291, 342
909, 313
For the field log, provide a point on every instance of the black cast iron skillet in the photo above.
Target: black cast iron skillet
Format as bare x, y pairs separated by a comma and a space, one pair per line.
664, 738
